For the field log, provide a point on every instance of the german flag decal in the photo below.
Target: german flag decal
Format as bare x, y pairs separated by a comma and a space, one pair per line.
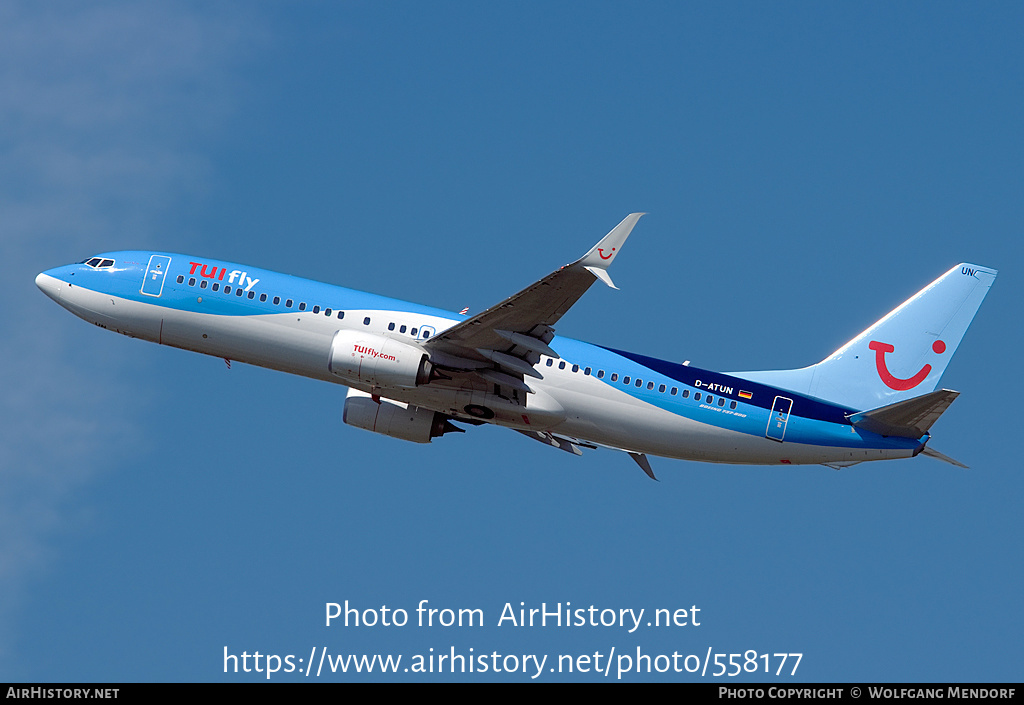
746, 395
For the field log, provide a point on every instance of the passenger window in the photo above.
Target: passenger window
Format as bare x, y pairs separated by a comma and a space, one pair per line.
650, 385
252, 294
216, 286
686, 394
391, 326
661, 388
288, 303
586, 371
675, 390
710, 399
696, 396
192, 281
181, 278
327, 312
550, 362
302, 305
600, 374
227, 289
239, 291
639, 382
202, 284
615, 376
413, 332
277, 300
625, 380
561, 364
575, 368
402, 329
263, 297
341, 314
366, 321
316, 309
721, 401
732, 405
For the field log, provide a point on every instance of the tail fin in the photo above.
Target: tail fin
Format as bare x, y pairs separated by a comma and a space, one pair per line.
901, 356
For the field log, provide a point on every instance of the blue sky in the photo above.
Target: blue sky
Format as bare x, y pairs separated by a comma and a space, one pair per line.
805, 170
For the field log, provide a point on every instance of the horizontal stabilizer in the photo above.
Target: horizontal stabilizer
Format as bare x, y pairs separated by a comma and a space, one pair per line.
906, 419
945, 458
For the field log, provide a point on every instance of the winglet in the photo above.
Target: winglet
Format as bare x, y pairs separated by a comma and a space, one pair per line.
644, 463
602, 275
603, 253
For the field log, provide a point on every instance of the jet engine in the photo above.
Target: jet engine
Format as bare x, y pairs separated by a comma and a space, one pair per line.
395, 419
378, 361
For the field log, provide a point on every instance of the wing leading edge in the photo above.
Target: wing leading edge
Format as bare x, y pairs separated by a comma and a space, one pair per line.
505, 342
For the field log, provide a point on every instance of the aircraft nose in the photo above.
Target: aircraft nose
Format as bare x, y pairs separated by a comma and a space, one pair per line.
49, 285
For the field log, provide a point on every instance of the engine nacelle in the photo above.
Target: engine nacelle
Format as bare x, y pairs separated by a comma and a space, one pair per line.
395, 419
378, 361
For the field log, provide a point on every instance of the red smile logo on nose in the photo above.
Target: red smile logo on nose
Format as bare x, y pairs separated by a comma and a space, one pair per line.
896, 383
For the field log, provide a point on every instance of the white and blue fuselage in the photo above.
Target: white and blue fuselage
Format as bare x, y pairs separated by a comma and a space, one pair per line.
577, 395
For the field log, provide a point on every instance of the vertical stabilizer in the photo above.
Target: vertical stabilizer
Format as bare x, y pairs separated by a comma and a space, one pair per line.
901, 356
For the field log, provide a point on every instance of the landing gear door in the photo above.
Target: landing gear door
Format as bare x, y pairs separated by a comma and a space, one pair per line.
778, 419
153, 282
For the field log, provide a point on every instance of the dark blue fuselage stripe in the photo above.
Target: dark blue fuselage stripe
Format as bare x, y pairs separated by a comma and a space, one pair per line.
763, 395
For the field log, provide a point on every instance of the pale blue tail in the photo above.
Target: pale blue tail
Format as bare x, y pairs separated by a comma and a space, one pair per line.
900, 357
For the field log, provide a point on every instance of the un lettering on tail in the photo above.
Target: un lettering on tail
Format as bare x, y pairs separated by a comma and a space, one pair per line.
902, 355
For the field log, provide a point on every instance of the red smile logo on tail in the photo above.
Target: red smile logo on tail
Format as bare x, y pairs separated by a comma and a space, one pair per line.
896, 383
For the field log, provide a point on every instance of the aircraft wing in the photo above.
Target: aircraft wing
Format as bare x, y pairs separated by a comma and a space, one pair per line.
504, 342
573, 445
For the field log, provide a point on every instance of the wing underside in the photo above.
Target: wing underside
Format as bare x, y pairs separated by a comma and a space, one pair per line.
503, 344
498, 350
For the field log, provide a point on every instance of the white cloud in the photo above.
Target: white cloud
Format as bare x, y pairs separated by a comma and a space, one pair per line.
102, 107
103, 112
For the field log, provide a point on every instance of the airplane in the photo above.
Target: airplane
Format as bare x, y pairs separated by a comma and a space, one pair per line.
413, 370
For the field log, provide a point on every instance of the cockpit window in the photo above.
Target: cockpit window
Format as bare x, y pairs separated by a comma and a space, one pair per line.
99, 262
